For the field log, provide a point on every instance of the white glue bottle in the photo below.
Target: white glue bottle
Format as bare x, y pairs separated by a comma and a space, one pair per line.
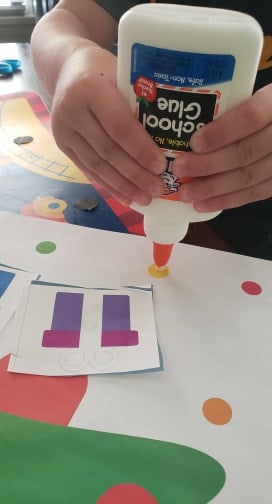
180, 67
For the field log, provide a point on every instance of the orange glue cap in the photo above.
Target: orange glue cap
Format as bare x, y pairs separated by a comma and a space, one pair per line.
161, 254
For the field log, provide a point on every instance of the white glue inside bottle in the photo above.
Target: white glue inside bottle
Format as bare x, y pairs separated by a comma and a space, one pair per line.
180, 67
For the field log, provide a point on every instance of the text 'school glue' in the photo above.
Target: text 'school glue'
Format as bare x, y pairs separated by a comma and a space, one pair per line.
180, 67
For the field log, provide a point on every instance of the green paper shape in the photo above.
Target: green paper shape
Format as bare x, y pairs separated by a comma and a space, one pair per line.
46, 247
50, 464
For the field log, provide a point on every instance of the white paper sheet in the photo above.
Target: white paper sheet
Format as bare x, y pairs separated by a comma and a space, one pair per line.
214, 330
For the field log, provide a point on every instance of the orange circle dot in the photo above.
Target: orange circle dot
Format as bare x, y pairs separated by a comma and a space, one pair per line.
217, 411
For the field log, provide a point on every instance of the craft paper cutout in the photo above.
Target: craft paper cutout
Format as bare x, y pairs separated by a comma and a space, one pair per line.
127, 492
12, 284
42, 398
90, 331
6, 278
116, 322
213, 322
66, 323
77, 465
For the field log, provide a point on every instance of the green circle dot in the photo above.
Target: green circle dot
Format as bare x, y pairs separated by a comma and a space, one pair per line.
46, 247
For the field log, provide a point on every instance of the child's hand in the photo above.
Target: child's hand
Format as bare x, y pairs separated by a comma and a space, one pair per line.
232, 157
95, 127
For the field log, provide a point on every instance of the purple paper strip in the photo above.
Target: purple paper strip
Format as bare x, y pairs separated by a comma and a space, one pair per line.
116, 322
66, 321
67, 311
116, 313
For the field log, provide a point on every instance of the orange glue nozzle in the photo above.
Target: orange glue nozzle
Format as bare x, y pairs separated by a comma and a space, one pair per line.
161, 254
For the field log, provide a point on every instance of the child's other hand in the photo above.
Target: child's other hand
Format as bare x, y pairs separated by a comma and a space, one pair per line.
231, 160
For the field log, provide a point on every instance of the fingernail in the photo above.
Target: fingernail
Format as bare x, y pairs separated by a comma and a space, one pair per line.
185, 193
200, 206
158, 166
181, 167
156, 190
197, 143
125, 201
142, 199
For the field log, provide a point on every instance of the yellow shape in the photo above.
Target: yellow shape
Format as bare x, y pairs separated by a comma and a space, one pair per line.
153, 271
42, 156
41, 207
217, 411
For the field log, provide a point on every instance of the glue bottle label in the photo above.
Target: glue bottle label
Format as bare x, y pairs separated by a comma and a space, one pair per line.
175, 93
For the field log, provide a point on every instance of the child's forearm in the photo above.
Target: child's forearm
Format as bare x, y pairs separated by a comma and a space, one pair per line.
60, 34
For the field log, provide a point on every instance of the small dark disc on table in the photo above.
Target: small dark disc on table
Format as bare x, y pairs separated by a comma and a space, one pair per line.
23, 140
86, 204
